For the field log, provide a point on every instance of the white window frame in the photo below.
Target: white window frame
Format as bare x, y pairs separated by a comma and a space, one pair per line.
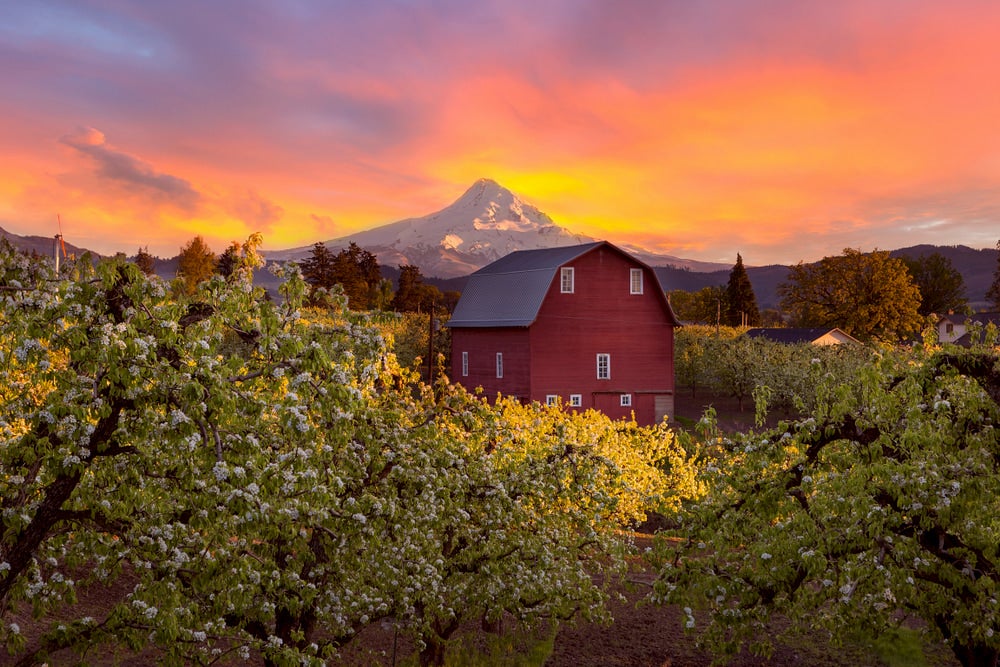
551, 399
465, 364
603, 366
625, 400
635, 281
499, 364
567, 280
576, 400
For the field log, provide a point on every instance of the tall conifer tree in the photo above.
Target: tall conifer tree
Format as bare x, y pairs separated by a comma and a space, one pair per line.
741, 309
318, 268
145, 261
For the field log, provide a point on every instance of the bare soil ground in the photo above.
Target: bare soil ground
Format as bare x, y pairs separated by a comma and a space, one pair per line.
641, 635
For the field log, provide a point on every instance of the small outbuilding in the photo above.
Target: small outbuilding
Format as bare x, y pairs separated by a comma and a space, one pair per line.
586, 326
791, 336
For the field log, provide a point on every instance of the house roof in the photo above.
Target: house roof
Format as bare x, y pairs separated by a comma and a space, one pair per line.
793, 335
960, 318
510, 291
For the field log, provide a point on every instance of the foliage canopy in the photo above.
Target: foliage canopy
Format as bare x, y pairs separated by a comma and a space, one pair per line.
355, 269
702, 307
882, 505
942, 288
145, 261
270, 481
195, 264
868, 295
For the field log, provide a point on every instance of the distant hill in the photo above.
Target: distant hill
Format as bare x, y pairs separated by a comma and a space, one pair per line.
42, 245
765, 280
976, 267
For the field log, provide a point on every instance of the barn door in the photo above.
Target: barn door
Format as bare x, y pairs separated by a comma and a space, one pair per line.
663, 406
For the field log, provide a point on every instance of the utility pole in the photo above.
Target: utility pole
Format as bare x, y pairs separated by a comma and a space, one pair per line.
432, 325
718, 316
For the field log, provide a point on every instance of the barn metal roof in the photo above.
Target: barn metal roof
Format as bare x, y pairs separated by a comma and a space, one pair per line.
509, 292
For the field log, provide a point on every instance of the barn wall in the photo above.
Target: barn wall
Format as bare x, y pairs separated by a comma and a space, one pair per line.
601, 316
557, 354
482, 344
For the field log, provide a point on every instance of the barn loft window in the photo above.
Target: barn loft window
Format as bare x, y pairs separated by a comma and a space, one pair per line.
626, 400
575, 400
566, 280
635, 281
603, 366
551, 399
465, 364
499, 364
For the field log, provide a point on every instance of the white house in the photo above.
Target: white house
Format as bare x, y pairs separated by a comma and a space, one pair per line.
955, 329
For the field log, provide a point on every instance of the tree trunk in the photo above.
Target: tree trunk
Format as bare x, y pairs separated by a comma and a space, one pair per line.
976, 655
433, 653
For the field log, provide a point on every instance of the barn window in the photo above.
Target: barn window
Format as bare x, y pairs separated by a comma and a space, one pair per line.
566, 283
551, 399
635, 282
465, 364
575, 400
499, 364
626, 400
603, 366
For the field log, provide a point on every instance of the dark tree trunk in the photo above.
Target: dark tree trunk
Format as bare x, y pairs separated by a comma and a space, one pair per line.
433, 653
976, 655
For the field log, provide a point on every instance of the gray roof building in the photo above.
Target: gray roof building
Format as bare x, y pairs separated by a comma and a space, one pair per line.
509, 292
816, 336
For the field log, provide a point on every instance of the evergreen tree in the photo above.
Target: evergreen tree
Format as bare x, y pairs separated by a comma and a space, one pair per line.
229, 260
317, 269
741, 307
145, 261
942, 288
993, 294
356, 270
195, 264
413, 295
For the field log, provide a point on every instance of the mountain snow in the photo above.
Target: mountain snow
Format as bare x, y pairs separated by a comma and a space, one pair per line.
484, 224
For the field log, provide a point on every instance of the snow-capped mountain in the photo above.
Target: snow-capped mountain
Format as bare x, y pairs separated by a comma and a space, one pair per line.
484, 224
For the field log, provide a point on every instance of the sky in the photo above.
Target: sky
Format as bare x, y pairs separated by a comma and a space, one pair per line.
784, 130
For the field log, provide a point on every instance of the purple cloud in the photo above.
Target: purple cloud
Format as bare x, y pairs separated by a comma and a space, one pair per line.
130, 172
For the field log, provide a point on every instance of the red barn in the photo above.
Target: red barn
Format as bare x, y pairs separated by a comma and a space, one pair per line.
586, 325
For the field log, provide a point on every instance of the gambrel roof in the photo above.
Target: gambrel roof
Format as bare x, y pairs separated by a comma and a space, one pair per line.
510, 291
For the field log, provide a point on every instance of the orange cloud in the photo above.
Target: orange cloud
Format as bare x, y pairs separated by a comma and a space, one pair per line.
785, 133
